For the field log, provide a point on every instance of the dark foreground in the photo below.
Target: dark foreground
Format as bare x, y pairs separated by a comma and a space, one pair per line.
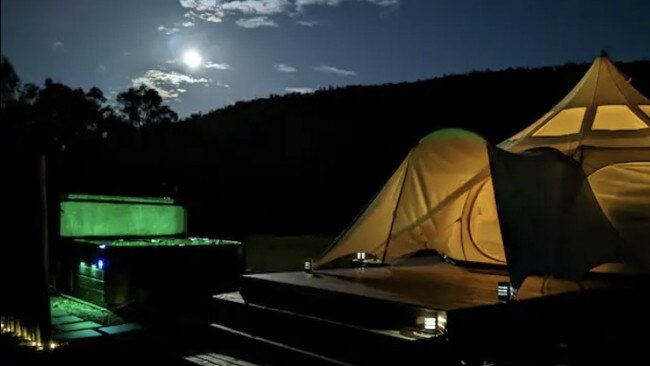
365, 316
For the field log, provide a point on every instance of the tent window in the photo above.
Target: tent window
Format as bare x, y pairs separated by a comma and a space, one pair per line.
567, 122
645, 109
616, 117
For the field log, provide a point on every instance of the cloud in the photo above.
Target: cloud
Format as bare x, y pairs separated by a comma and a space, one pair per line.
334, 70
168, 30
102, 67
171, 62
213, 65
207, 10
216, 10
301, 90
188, 24
208, 16
300, 4
307, 23
384, 2
256, 7
284, 68
169, 84
256, 22
57, 45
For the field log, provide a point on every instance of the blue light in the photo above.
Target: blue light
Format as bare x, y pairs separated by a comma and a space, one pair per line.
100, 264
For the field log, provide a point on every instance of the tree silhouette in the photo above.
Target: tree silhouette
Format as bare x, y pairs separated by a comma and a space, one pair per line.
63, 115
142, 106
10, 81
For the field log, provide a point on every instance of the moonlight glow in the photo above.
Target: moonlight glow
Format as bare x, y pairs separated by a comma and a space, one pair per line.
192, 59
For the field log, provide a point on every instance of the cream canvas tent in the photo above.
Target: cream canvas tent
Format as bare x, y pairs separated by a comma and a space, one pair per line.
442, 196
603, 123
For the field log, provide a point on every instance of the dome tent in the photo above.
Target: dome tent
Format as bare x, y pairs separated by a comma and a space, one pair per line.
442, 196
427, 202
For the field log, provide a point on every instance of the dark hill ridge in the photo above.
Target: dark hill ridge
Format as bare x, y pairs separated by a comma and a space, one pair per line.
309, 163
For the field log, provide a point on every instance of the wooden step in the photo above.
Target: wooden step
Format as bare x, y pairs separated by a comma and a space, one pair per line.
325, 340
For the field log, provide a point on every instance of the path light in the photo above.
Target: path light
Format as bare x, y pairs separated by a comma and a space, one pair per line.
309, 265
506, 292
433, 322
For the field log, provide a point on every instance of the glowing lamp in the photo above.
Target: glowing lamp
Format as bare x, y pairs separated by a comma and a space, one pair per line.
505, 292
309, 265
433, 322
430, 323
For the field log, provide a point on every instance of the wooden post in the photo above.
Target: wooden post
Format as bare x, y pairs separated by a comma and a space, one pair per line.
44, 316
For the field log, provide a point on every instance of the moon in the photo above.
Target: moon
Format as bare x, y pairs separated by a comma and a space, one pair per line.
192, 59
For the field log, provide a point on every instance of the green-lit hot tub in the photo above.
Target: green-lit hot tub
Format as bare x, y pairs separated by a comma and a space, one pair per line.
133, 253
84, 215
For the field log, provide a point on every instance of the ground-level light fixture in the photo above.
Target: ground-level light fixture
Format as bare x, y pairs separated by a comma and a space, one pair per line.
365, 259
433, 322
309, 265
505, 291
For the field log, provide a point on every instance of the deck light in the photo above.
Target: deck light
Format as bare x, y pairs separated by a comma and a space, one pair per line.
433, 322
309, 265
505, 291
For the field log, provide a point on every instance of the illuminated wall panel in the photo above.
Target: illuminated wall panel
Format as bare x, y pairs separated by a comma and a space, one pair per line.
87, 215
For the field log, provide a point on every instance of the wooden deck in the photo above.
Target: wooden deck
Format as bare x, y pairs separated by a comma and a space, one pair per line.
548, 313
424, 282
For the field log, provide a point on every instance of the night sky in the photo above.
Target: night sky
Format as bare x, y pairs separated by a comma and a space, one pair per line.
205, 54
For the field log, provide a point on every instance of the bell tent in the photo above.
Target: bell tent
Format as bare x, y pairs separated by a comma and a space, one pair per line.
566, 194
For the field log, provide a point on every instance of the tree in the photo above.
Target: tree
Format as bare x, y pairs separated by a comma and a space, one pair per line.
61, 115
96, 95
143, 106
10, 81
28, 94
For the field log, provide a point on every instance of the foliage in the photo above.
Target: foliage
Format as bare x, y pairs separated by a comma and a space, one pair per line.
143, 105
55, 117
10, 81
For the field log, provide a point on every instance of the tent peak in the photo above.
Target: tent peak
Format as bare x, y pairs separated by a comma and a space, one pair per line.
602, 110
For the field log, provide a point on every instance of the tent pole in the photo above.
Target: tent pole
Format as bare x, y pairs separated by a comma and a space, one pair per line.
399, 199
